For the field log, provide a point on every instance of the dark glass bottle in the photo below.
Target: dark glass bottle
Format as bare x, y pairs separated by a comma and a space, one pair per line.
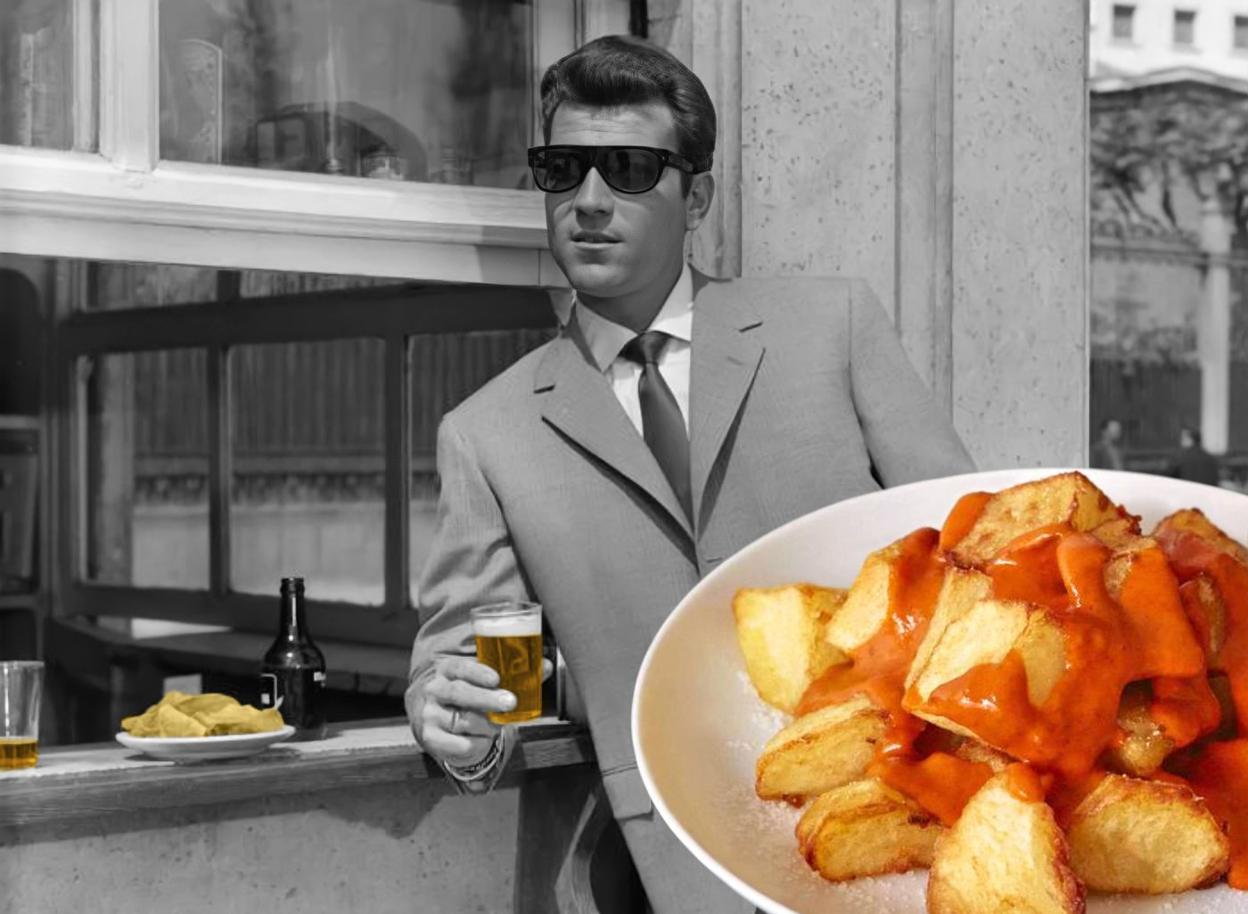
292, 674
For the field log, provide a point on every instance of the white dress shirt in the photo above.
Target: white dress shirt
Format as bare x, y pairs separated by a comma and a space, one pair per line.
606, 339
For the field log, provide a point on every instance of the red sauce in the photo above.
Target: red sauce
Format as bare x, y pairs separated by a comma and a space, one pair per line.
1219, 771
1190, 556
1027, 569
915, 584
962, 518
1064, 571
941, 783
1066, 795
1186, 709
1025, 784
1219, 774
1150, 599
1142, 631
881, 662
1202, 624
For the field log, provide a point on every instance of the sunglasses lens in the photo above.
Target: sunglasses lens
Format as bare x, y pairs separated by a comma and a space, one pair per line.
556, 170
628, 169
631, 170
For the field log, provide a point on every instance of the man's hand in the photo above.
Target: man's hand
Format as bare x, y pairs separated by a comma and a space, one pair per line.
448, 708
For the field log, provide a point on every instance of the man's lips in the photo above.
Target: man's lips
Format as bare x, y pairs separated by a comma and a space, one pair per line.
593, 238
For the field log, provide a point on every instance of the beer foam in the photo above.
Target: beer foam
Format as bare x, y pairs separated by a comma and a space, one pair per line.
508, 626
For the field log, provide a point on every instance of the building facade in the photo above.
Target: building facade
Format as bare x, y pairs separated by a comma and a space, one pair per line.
1132, 37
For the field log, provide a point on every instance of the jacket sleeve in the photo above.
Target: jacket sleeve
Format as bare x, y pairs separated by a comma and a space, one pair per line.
471, 562
908, 435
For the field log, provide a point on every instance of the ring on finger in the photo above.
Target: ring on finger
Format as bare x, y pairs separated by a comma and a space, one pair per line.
454, 725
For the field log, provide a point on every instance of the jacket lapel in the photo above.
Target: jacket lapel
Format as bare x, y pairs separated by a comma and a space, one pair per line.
725, 362
579, 403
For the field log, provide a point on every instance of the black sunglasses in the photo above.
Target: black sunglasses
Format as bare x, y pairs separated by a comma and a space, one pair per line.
628, 169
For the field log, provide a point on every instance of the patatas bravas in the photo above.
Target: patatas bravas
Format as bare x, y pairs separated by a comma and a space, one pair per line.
1035, 701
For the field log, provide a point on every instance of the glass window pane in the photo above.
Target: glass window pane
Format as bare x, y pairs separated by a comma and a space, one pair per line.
1184, 27
446, 368
309, 469
45, 83
147, 469
1123, 21
417, 90
114, 286
1241, 33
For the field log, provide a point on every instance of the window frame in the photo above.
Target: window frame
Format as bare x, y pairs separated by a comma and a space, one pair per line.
392, 314
1239, 29
1130, 11
111, 197
126, 203
1183, 17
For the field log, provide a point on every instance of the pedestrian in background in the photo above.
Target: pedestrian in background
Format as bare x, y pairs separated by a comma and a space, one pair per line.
1106, 454
1193, 461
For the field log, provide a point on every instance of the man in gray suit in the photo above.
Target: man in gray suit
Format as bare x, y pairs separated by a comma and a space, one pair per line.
674, 420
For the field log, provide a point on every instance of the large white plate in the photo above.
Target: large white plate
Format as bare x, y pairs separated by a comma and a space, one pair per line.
205, 748
698, 725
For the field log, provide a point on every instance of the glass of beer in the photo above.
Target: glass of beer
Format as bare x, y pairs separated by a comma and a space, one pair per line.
509, 640
21, 686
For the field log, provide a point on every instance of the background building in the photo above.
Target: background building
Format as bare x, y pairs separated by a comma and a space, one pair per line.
1143, 36
1169, 266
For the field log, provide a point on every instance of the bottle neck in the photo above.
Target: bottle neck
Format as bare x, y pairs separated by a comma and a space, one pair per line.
292, 621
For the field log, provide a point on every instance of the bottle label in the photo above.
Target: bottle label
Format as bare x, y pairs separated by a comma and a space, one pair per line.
298, 694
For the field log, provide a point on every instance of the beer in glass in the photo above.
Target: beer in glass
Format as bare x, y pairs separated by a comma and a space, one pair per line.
509, 640
21, 685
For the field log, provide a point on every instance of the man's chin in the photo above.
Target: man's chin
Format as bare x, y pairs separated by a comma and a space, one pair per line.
595, 280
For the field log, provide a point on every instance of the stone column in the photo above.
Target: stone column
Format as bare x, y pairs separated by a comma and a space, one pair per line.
935, 148
1213, 325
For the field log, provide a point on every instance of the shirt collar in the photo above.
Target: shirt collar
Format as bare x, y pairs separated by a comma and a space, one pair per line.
605, 338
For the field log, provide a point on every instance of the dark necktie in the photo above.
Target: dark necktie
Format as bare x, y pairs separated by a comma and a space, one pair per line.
661, 421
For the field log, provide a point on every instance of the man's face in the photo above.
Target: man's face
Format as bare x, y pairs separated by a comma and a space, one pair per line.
621, 252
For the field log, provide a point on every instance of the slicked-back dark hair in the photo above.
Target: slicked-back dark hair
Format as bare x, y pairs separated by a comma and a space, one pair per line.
620, 70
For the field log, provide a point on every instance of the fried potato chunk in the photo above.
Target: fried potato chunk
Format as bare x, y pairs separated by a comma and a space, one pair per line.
1067, 498
959, 592
865, 828
821, 750
781, 634
1145, 836
972, 750
1138, 578
870, 596
1194, 521
1005, 853
210, 714
986, 633
1206, 610
1143, 746
1118, 534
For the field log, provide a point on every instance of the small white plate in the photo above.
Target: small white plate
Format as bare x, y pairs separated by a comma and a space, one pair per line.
698, 725
205, 748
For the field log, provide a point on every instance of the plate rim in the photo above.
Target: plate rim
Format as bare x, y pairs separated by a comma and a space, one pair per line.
187, 742
1009, 476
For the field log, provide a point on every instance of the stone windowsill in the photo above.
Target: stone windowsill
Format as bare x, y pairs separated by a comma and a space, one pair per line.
102, 779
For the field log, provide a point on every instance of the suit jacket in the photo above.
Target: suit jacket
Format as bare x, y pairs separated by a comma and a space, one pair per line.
800, 395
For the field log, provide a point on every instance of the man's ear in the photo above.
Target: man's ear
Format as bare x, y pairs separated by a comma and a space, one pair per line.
698, 200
